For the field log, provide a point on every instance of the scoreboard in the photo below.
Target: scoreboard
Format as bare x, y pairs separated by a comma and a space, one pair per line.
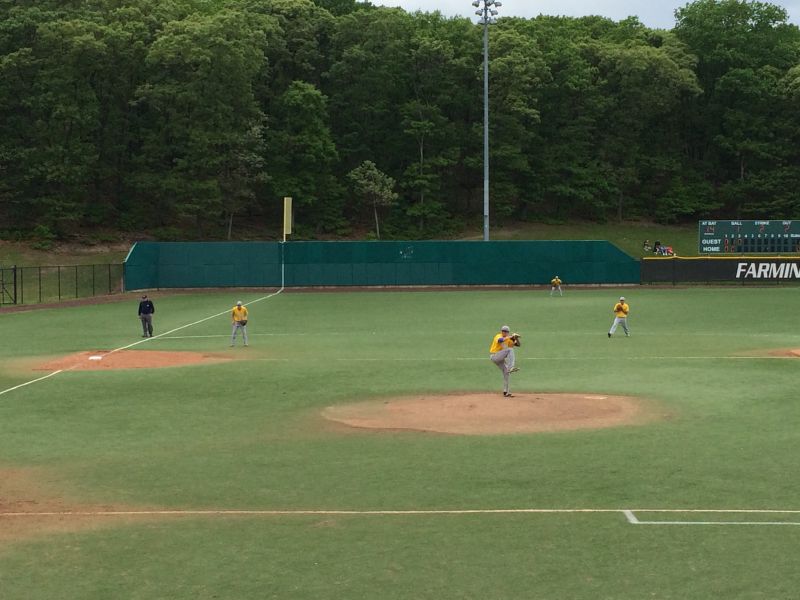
748, 237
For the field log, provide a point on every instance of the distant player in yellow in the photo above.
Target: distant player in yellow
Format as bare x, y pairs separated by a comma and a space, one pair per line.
621, 310
555, 284
239, 318
502, 354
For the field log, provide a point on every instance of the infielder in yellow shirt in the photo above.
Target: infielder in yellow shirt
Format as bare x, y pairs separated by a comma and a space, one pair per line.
621, 310
239, 318
502, 354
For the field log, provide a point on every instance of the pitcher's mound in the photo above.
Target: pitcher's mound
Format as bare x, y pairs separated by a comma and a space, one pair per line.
491, 414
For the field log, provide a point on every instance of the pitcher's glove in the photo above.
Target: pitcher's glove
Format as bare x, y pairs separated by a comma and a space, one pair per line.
516, 337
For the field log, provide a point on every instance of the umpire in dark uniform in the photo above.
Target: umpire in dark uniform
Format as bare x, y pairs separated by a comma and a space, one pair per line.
146, 311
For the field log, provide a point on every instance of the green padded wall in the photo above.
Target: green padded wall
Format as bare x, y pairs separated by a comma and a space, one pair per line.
258, 264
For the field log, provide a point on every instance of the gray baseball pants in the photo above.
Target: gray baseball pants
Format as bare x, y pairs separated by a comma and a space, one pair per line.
505, 362
620, 321
147, 325
237, 326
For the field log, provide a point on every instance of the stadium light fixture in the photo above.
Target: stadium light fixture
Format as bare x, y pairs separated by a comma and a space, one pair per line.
487, 13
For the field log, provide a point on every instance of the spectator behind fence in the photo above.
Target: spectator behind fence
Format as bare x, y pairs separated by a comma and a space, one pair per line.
662, 250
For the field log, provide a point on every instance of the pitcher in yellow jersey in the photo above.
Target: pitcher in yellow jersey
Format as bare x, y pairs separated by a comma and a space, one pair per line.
502, 354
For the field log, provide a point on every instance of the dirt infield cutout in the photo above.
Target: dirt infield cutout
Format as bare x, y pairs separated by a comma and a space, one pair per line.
789, 352
492, 414
129, 359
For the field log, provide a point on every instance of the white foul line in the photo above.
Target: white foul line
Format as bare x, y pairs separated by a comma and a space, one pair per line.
731, 511
716, 523
629, 514
301, 512
633, 520
225, 335
16, 387
225, 312
561, 358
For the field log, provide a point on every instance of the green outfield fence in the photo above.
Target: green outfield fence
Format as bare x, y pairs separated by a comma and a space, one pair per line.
151, 265
38, 285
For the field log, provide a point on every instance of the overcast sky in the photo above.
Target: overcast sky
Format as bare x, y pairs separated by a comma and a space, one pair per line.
652, 13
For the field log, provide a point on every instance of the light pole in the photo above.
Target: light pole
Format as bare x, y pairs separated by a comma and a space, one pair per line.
487, 12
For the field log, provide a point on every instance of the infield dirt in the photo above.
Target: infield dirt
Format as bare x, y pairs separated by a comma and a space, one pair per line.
493, 414
129, 359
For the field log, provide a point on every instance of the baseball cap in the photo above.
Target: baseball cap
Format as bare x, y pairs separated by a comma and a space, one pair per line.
622, 297
239, 303
145, 296
505, 328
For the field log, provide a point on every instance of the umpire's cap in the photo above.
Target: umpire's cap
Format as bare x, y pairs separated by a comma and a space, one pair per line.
505, 328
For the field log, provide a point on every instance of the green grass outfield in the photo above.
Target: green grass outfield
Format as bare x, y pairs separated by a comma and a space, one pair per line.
247, 435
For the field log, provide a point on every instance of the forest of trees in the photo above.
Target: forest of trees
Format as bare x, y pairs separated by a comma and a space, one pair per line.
191, 118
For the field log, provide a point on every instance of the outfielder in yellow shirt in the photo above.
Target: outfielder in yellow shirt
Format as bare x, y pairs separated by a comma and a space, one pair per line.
621, 310
239, 318
555, 284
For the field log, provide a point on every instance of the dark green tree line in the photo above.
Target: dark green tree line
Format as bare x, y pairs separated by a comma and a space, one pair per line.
189, 118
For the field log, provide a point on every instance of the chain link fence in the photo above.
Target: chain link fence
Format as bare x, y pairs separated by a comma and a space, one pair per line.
46, 284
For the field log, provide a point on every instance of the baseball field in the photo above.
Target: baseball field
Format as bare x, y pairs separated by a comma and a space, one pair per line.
360, 447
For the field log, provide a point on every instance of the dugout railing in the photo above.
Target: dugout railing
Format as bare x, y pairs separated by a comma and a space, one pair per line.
57, 283
8, 285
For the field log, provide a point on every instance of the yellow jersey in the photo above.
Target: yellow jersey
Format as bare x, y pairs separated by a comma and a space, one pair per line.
500, 342
239, 313
621, 309
555, 282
